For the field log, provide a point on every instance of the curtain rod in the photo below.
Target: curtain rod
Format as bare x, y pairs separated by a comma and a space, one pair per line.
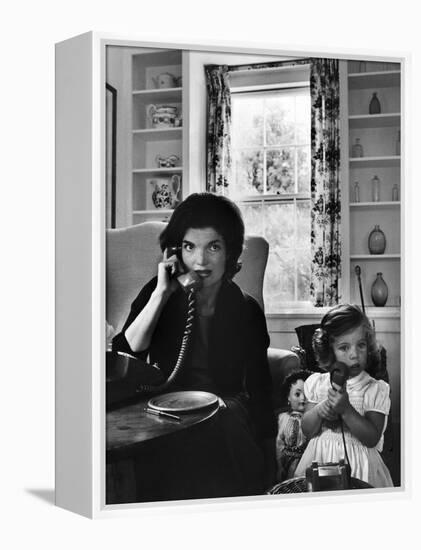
268, 65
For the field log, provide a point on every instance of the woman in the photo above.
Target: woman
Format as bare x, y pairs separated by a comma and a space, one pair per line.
227, 354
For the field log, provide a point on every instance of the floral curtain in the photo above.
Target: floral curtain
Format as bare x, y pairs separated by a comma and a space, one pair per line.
325, 191
219, 129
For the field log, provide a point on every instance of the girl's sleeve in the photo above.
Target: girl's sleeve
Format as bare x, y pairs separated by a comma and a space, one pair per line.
310, 388
377, 397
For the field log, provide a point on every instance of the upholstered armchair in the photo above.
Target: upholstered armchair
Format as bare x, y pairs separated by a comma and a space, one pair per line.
132, 257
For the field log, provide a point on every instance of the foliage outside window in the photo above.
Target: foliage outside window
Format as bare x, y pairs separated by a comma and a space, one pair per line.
271, 176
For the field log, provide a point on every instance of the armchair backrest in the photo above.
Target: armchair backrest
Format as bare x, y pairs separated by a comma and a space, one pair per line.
133, 254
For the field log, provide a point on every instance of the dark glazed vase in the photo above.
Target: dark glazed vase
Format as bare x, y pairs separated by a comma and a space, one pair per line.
374, 107
379, 291
377, 241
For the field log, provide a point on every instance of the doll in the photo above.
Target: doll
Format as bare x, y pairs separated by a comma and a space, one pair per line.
290, 440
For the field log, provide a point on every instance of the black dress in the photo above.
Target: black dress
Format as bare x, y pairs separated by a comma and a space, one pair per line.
225, 457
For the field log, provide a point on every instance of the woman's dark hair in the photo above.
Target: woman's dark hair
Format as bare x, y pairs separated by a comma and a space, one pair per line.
290, 380
337, 321
201, 210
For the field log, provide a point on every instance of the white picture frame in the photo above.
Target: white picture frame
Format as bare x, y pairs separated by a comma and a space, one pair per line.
80, 276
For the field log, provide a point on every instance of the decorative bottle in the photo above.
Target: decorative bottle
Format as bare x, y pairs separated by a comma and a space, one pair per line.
357, 149
374, 107
395, 192
379, 291
375, 189
376, 241
356, 192
398, 144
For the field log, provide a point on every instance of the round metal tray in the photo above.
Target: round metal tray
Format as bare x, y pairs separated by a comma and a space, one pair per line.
182, 401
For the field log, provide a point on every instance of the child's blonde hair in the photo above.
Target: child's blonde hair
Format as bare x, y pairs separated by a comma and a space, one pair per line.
337, 321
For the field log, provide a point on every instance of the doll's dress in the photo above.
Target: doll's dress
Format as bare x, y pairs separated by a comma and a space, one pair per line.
365, 394
290, 443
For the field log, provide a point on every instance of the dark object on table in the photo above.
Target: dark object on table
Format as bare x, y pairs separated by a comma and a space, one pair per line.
328, 477
299, 485
329, 483
124, 374
305, 348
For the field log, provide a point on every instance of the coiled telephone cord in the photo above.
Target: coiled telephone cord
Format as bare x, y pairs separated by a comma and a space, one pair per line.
148, 388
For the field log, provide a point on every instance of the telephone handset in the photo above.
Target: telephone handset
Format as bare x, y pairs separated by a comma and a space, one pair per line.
189, 280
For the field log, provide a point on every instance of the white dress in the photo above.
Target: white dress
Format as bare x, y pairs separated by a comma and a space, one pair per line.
365, 394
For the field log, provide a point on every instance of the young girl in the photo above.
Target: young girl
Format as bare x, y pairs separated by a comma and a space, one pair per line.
363, 404
290, 441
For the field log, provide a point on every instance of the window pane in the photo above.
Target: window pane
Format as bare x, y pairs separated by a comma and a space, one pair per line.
303, 274
303, 118
303, 224
279, 225
248, 172
279, 281
280, 118
253, 218
280, 171
248, 111
303, 169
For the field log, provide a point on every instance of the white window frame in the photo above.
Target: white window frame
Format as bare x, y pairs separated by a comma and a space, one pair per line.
300, 306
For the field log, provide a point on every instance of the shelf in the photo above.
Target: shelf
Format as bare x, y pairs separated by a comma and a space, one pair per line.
153, 212
379, 79
158, 171
369, 162
375, 121
159, 134
170, 95
157, 58
354, 257
380, 204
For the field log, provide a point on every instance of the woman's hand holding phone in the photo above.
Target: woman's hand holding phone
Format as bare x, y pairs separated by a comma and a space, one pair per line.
167, 269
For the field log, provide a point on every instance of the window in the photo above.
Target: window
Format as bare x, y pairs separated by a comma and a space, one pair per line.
271, 184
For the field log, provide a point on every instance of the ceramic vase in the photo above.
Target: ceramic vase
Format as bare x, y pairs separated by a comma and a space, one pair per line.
377, 241
357, 149
374, 107
379, 291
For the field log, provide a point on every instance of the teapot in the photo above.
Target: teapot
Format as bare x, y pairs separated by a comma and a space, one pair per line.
162, 116
165, 80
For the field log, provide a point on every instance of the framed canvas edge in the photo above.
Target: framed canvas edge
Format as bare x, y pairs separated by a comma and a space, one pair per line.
99, 508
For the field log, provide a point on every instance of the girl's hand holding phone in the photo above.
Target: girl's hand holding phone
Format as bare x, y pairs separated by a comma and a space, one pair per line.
325, 411
338, 400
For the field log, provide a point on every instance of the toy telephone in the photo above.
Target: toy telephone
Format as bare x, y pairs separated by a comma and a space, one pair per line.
139, 376
339, 374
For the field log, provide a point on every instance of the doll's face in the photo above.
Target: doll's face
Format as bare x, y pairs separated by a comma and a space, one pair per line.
351, 348
296, 397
